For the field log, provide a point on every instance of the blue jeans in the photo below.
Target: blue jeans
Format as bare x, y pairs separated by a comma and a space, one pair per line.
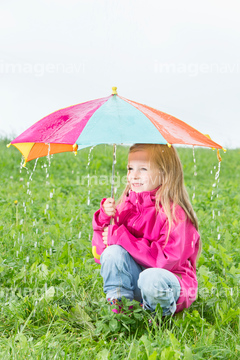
122, 276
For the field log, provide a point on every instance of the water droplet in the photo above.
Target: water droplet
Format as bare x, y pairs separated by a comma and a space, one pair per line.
35, 244
52, 242
50, 251
213, 214
27, 259
219, 213
219, 236
79, 235
17, 253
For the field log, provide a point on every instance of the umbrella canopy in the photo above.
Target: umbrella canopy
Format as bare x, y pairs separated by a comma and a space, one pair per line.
109, 120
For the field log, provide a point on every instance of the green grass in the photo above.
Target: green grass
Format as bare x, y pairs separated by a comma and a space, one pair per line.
52, 305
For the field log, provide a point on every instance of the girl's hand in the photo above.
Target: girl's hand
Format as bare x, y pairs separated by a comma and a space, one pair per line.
105, 235
109, 207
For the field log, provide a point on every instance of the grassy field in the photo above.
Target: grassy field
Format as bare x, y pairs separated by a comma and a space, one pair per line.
52, 305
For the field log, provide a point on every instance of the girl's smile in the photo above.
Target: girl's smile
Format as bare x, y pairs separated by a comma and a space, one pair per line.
143, 174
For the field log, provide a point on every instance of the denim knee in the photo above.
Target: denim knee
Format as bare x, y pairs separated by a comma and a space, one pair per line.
159, 286
113, 254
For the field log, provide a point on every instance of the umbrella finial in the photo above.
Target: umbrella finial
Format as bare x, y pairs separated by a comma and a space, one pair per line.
114, 90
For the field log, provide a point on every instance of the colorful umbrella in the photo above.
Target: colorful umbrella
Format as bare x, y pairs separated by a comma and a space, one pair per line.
109, 120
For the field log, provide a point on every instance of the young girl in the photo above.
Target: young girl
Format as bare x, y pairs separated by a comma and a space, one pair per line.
149, 253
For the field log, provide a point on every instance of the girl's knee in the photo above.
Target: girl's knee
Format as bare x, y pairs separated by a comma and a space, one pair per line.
155, 278
112, 253
148, 278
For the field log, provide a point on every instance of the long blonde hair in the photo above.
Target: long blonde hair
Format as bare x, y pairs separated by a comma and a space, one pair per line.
172, 191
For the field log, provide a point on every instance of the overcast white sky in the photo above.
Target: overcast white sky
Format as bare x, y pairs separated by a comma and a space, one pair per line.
181, 57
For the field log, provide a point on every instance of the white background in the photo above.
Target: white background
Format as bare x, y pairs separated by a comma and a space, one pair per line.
181, 57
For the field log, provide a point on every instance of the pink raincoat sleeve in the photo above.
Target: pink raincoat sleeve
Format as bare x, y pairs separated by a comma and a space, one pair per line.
153, 253
100, 219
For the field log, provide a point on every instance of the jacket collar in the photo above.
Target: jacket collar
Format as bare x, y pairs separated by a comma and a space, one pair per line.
144, 198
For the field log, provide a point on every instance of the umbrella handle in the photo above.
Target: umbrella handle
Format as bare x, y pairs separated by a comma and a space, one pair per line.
113, 169
113, 174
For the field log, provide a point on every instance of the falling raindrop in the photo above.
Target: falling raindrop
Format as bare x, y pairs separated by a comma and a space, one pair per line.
219, 236
194, 166
79, 235
50, 251
27, 259
213, 214
35, 244
88, 176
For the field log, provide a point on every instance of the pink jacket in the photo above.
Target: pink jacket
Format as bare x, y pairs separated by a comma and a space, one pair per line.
142, 232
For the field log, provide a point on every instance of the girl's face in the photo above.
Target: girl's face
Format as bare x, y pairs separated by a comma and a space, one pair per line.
143, 175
